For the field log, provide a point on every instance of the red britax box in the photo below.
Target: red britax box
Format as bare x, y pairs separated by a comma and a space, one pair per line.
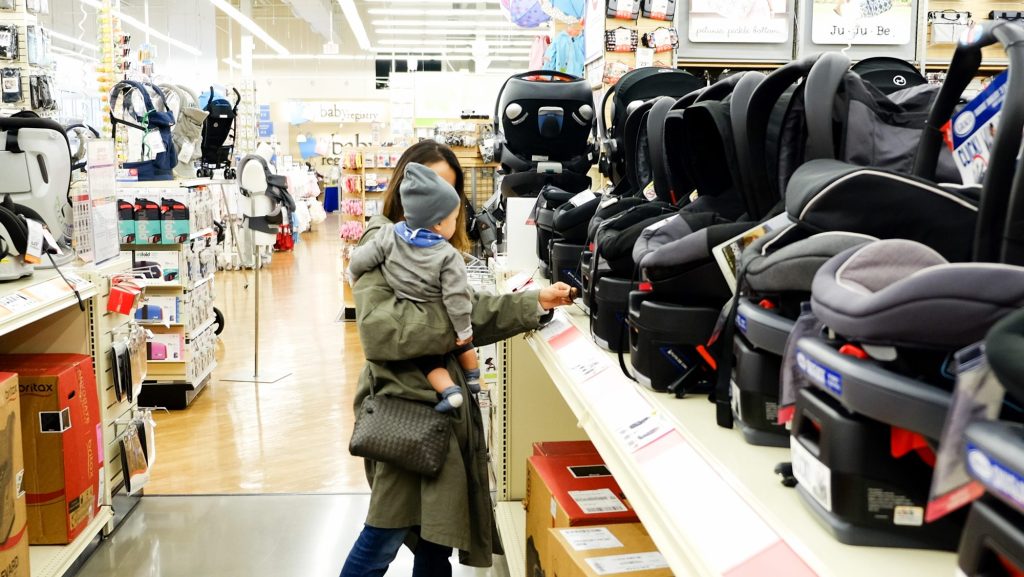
568, 491
62, 435
563, 448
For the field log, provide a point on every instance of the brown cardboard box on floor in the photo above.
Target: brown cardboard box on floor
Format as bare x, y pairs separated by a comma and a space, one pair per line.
569, 491
623, 549
13, 518
62, 442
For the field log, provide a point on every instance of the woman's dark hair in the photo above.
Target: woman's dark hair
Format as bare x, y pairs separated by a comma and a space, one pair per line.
428, 152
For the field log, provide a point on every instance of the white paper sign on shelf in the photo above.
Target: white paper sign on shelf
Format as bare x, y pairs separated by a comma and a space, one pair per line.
598, 501
558, 325
102, 171
630, 563
16, 302
589, 538
644, 431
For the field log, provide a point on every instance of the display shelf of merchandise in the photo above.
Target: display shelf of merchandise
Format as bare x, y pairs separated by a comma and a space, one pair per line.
36, 297
55, 560
711, 502
511, 520
191, 335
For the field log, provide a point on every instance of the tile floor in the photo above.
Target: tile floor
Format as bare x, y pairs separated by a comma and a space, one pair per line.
243, 536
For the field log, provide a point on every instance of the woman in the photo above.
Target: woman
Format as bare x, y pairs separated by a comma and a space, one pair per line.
432, 516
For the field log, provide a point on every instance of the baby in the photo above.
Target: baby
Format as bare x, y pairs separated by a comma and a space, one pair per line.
420, 265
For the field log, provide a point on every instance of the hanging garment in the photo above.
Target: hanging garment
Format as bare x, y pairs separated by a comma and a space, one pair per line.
566, 55
537, 50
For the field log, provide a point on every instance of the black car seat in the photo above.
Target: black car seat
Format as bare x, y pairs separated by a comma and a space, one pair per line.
872, 388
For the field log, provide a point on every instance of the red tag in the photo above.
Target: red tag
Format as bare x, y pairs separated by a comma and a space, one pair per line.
123, 297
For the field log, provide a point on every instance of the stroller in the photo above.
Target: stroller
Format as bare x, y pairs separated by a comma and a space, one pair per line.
218, 134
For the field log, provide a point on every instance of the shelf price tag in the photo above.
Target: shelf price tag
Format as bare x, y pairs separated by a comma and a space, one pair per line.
644, 431
16, 302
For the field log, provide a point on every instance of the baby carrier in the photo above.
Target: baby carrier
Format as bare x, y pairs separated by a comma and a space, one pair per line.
157, 162
218, 133
188, 127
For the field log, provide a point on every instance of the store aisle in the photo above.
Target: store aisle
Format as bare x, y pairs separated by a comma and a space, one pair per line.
254, 536
290, 436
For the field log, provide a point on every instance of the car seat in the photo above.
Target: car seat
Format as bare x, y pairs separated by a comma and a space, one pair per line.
993, 538
889, 74
545, 126
873, 387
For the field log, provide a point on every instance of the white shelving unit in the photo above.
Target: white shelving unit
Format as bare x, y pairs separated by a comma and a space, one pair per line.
54, 561
711, 502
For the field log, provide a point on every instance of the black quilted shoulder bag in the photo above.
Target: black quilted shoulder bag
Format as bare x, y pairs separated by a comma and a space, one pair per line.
403, 433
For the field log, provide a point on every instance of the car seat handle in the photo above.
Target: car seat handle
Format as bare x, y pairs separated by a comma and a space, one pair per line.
822, 85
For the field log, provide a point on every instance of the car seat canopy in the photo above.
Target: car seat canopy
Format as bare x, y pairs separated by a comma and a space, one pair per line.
898, 291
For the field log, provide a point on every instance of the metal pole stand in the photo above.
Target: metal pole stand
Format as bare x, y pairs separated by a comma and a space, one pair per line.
256, 376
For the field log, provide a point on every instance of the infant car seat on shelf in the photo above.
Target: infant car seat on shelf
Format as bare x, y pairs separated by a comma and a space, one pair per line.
889, 74
635, 87
877, 386
545, 125
820, 200
993, 539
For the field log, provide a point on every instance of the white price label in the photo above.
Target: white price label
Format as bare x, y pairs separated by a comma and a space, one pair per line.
558, 325
16, 302
154, 142
644, 57
598, 501
34, 250
582, 198
908, 515
813, 476
590, 538
583, 360
519, 282
631, 563
644, 431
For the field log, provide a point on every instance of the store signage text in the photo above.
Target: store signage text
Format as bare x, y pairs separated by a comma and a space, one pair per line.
341, 111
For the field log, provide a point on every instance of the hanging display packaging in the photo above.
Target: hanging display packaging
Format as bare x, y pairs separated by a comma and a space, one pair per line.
659, 9
661, 39
8, 42
623, 9
948, 25
11, 78
613, 71
621, 39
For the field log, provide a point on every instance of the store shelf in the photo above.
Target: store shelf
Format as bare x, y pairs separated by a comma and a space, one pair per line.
191, 335
186, 183
36, 297
511, 520
54, 561
711, 502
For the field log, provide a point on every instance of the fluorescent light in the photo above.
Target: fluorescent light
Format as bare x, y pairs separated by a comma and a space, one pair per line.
71, 40
142, 26
444, 42
420, 22
380, 53
73, 54
421, 2
454, 32
232, 64
432, 12
249, 25
355, 22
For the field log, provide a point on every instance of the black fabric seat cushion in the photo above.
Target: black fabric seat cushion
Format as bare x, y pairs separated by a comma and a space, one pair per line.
614, 226
786, 261
899, 292
570, 221
825, 195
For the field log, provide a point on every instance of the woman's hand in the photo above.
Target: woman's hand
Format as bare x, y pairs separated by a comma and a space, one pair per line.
556, 295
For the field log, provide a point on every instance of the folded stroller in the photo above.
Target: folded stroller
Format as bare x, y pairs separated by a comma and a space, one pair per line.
872, 387
993, 539
219, 134
545, 127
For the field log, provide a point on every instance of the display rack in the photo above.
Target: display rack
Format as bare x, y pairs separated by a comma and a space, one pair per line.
174, 381
939, 55
28, 69
41, 314
364, 177
711, 502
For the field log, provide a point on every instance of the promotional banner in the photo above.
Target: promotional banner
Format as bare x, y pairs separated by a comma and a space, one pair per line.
738, 21
862, 22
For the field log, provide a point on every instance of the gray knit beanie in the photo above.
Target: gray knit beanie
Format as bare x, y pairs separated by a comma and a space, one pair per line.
427, 199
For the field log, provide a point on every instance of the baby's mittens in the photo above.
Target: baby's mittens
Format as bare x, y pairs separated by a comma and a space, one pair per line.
451, 399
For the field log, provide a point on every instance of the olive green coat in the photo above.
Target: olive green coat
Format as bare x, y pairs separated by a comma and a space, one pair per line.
454, 509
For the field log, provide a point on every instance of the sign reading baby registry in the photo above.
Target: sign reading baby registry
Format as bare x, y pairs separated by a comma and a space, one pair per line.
862, 22
738, 21
301, 112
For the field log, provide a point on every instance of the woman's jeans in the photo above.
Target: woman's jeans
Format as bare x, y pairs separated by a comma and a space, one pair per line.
375, 549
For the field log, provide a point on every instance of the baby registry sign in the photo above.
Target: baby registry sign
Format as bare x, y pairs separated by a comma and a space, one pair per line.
738, 21
862, 22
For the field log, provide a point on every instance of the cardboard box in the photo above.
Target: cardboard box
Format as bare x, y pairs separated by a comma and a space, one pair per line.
563, 448
624, 549
13, 515
569, 491
175, 214
62, 440
158, 310
126, 221
168, 347
148, 220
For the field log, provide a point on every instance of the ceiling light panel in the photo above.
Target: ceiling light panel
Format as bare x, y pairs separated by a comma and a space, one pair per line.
496, 24
456, 32
442, 12
247, 23
355, 22
447, 42
138, 25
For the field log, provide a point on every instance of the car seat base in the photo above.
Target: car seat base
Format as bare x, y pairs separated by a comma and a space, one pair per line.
565, 263
994, 535
663, 341
609, 321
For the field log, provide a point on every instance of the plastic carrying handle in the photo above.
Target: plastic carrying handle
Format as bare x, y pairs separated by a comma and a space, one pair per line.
551, 73
998, 237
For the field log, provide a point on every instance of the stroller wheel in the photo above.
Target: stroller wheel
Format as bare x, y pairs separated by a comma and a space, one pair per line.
218, 322
199, 173
229, 173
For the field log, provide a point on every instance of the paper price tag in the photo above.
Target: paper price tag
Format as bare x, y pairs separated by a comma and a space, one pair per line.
615, 564
590, 538
582, 198
34, 251
519, 282
598, 501
644, 431
46, 291
644, 57
558, 325
153, 141
16, 302
583, 360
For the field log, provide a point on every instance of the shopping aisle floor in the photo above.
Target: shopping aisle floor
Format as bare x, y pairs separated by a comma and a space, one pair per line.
256, 480
244, 536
